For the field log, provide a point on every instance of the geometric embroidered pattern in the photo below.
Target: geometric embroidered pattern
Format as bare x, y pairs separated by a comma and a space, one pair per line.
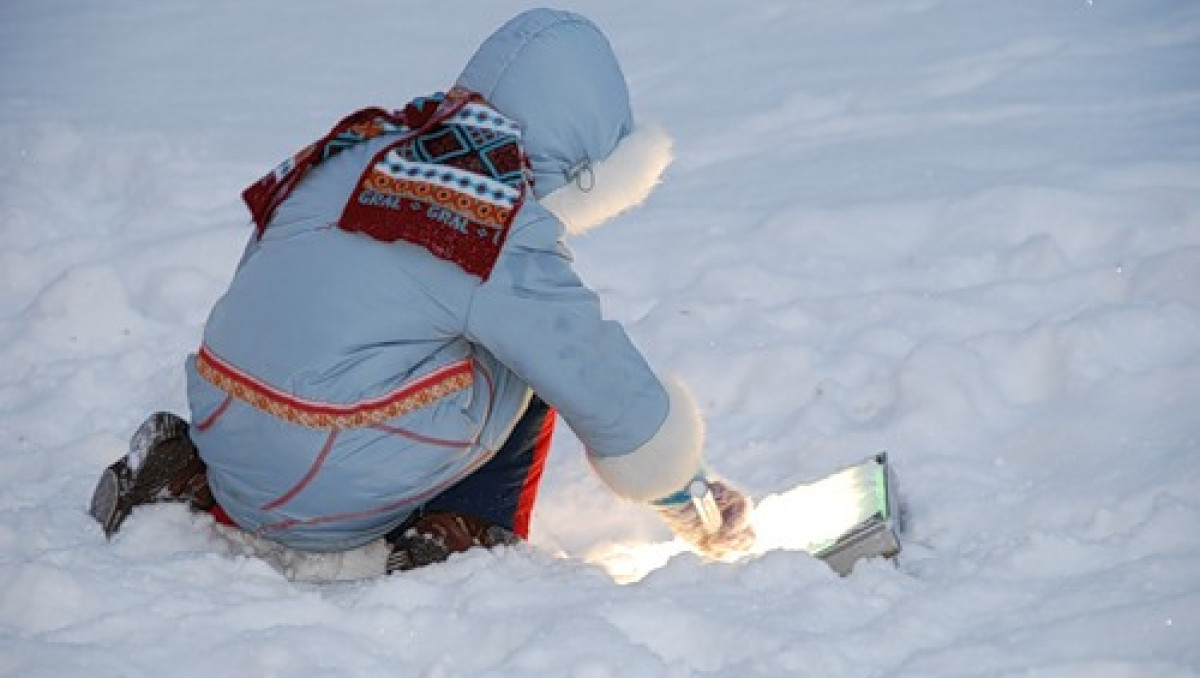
451, 181
452, 187
357, 133
406, 398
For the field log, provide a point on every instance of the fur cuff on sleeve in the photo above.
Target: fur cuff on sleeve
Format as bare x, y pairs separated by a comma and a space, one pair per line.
666, 462
605, 188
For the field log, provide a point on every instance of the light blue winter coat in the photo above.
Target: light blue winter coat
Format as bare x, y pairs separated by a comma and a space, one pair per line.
322, 315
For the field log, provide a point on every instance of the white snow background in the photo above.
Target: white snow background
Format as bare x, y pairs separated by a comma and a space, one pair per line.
966, 232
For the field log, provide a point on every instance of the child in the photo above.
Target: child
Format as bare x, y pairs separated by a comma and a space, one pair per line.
406, 324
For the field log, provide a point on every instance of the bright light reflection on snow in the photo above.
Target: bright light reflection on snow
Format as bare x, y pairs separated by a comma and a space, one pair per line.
628, 563
806, 518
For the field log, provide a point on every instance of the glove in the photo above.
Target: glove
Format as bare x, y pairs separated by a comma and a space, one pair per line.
734, 535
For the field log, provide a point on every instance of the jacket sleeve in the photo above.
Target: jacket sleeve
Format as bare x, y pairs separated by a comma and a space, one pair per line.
643, 435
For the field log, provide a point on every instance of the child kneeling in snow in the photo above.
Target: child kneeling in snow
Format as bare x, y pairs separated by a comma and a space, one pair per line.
405, 323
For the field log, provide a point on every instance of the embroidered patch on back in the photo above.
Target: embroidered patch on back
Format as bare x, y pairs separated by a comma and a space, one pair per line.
452, 188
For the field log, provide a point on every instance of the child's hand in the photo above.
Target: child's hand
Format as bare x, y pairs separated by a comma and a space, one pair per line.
735, 534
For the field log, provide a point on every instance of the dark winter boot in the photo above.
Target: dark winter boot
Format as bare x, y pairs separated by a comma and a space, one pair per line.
162, 465
432, 537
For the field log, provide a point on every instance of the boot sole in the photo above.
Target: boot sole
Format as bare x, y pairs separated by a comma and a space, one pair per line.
107, 506
158, 450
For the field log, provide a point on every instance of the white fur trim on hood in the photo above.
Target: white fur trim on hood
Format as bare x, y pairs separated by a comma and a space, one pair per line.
664, 464
599, 191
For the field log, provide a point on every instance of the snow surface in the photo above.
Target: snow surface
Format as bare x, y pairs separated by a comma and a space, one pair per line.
963, 231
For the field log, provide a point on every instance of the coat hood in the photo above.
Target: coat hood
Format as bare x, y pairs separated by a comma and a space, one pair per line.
555, 73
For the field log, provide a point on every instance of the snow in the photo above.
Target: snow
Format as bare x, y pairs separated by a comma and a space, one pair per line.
964, 232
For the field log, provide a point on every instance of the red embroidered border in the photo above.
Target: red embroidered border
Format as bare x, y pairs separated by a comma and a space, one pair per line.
480, 211
406, 398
